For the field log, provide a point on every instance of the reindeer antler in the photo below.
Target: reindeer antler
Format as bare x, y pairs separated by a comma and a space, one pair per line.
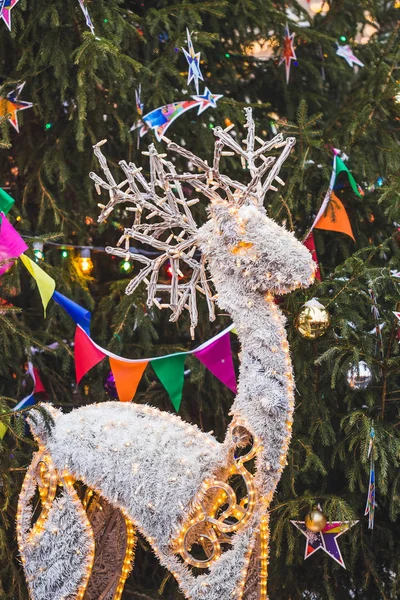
163, 219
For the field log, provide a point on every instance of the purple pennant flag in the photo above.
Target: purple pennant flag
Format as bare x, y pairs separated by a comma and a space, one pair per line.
11, 244
217, 357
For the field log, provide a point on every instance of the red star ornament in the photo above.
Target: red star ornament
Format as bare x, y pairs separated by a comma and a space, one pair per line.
288, 53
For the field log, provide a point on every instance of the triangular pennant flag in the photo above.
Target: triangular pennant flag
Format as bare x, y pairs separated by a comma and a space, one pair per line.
86, 354
335, 218
127, 377
6, 202
25, 402
11, 244
39, 387
217, 357
170, 371
80, 315
309, 243
340, 167
45, 283
3, 429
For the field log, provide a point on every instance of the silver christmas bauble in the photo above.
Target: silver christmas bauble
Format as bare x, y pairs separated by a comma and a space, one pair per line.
359, 376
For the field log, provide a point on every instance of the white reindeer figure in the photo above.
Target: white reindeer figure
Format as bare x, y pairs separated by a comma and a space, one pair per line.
175, 484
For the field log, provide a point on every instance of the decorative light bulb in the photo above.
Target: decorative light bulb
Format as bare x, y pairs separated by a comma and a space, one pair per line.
64, 253
85, 261
125, 266
38, 251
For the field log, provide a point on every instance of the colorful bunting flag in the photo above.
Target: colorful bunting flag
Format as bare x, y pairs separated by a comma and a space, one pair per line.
3, 429
337, 167
6, 202
309, 243
335, 218
170, 371
38, 387
87, 355
127, 377
341, 168
80, 315
11, 244
45, 283
217, 357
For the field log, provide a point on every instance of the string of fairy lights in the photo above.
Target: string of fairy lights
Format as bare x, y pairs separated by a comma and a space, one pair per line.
84, 255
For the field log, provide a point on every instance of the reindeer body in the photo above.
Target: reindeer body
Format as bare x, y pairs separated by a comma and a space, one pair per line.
159, 470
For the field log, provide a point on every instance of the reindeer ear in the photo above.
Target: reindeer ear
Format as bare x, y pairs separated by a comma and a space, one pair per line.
57, 551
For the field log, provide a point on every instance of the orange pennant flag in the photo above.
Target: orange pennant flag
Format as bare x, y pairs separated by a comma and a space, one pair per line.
335, 218
127, 377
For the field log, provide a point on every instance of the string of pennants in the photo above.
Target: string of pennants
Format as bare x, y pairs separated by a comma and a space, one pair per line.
332, 215
215, 354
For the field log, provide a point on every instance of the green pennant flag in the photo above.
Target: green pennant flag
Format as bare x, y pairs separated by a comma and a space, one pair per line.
340, 166
6, 202
170, 371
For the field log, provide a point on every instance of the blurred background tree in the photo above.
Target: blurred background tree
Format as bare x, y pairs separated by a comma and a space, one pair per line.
83, 90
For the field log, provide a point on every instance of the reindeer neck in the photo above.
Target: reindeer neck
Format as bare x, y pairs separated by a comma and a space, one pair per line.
265, 398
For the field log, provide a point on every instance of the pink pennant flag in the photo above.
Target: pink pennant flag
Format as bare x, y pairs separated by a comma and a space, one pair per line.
11, 244
217, 357
309, 243
86, 354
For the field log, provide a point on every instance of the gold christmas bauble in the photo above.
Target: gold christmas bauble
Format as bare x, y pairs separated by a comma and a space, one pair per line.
313, 320
315, 520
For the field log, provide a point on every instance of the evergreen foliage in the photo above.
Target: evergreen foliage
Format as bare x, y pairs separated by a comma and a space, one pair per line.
83, 88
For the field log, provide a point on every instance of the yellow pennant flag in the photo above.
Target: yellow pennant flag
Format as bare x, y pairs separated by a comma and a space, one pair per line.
45, 283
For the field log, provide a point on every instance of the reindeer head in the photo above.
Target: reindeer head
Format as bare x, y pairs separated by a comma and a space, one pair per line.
239, 241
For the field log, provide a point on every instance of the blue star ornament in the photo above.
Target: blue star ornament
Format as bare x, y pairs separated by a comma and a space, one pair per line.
206, 100
193, 59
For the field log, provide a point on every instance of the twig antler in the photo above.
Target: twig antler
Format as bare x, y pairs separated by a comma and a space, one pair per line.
163, 219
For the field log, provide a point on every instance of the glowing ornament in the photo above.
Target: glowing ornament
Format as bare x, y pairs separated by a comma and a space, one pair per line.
315, 520
85, 261
313, 320
359, 376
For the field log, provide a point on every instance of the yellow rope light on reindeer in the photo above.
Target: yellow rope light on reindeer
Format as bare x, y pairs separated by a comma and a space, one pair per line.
128, 559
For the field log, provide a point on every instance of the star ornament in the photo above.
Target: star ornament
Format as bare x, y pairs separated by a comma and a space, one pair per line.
5, 11
10, 105
288, 53
325, 539
206, 100
193, 59
347, 53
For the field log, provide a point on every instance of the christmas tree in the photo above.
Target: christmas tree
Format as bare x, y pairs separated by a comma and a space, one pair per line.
93, 71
